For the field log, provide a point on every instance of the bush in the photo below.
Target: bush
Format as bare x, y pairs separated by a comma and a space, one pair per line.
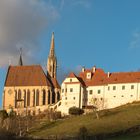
3, 114
75, 111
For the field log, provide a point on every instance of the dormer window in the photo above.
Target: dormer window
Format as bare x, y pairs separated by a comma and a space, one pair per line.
89, 75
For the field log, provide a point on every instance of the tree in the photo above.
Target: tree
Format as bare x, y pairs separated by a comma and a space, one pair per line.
3, 116
97, 104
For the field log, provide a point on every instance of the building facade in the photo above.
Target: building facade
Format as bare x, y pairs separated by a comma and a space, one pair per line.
28, 89
94, 87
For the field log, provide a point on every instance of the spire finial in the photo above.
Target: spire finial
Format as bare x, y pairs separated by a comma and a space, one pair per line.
20, 58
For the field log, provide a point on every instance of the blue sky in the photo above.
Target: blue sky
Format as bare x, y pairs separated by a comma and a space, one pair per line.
105, 33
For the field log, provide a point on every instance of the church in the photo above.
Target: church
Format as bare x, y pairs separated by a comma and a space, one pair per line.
28, 89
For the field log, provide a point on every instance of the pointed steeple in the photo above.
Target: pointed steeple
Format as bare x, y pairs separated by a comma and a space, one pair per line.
52, 60
52, 51
20, 63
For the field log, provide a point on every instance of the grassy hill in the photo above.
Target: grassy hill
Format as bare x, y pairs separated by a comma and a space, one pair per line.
111, 121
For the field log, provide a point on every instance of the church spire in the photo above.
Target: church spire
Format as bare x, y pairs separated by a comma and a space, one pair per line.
52, 51
52, 60
20, 63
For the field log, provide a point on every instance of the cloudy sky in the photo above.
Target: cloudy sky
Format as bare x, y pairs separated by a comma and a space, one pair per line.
105, 33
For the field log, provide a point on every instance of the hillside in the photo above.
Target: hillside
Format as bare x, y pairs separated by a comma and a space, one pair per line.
111, 121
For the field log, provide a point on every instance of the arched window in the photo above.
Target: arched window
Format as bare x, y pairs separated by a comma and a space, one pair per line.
58, 96
19, 94
44, 97
28, 97
24, 98
34, 97
15, 98
53, 97
48, 96
37, 97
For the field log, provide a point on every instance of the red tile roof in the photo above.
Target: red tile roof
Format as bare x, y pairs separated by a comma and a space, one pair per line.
55, 83
32, 75
99, 77
72, 75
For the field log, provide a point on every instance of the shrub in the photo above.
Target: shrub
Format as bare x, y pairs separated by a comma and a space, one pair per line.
3, 114
75, 111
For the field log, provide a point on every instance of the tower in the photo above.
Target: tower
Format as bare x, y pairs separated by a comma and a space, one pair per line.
20, 63
52, 60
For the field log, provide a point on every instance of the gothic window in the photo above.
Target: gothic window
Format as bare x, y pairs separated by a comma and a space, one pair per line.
48, 96
37, 97
19, 94
28, 97
34, 97
53, 97
15, 98
44, 97
24, 98
58, 96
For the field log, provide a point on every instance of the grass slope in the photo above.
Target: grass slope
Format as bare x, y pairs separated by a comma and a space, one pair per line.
110, 121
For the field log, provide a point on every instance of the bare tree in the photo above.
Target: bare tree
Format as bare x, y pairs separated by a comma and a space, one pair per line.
97, 104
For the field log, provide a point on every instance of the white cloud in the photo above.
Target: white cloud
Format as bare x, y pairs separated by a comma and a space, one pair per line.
135, 43
83, 3
21, 22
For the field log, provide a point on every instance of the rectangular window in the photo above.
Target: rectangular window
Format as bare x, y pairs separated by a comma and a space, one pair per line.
108, 87
71, 89
66, 90
123, 87
114, 87
70, 80
99, 91
73, 98
62, 90
90, 92
132, 86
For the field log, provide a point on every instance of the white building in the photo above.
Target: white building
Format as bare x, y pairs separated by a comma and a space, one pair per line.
108, 89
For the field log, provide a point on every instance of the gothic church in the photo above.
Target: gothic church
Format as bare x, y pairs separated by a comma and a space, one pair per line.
28, 89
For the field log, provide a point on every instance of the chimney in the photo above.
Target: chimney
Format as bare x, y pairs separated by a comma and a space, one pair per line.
108, 74
83, 69
94, 69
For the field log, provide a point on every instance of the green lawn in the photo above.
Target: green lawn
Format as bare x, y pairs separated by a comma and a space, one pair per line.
110, 121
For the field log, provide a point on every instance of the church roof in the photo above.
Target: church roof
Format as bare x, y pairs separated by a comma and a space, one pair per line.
55, 83
32, 75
